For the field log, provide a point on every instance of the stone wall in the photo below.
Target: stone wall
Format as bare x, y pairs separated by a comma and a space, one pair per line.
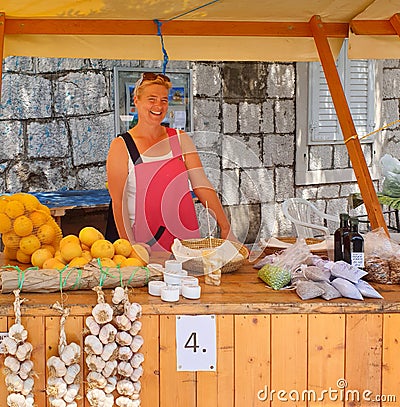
57, 121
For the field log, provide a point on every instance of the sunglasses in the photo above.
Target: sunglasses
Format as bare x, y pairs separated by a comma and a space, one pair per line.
150, 76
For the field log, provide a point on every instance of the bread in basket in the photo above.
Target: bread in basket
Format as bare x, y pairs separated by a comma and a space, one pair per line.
196, 264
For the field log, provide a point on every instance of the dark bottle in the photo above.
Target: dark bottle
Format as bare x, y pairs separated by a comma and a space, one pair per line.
354, 246
339, 235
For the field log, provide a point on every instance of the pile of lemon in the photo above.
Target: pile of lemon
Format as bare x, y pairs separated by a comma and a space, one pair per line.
76, 251
26, 226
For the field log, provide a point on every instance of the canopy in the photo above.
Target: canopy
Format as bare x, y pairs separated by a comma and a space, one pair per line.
220, 30
225, 30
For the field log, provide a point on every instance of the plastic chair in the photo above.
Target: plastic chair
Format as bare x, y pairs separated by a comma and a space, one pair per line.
304, 214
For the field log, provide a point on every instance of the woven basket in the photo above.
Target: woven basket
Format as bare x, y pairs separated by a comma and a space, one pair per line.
292, 240
197, 264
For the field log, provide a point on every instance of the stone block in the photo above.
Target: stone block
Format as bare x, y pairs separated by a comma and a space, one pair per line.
271, 220
230, 194
249, 118
328, 191
320, 157
94, 177
267, 117
340, 156
206, 80
81, 94
284, 183
244, 80
257, 185
47, 65
245, 221
284, 116
207, 140
281, 81
229, 118
12, 139
91, 138
25, 97
278, 149
47, 139
241, 152
206, 115
18, 64
391, 83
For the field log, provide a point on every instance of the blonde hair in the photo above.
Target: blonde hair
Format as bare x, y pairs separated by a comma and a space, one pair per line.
143, 83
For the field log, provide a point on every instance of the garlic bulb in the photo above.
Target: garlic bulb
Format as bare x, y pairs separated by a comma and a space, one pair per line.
12, 364
102, 313
56, 387
110, 368
72, 373
18, 333
137, 360
92, 325
95, 363
96, 380
56, 367
14, 383
71, 353
125, 388
119, 295
16, 400
10, 345
123, 338
110, 351
123, 401
125, 353
93, 345
136, 327
132, 311
71, 393
137, 342
24, 351
96, 397
25, 369
111, 384
55, 402
124, 369
107, 333
28, 386
123, 323
137, 374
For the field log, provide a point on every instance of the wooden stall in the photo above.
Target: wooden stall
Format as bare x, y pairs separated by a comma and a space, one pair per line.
270, 346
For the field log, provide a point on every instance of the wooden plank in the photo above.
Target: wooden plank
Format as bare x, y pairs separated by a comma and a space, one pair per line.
217, 388
390, 359
3, 388
150, 394
67, 26
372, 27
2, 26
52, 334
395, 22
351, 140
177, 389
289, 358
252, 358
363, 358
36, 336
326, 356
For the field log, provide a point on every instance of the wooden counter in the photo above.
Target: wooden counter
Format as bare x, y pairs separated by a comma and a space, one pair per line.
265, 340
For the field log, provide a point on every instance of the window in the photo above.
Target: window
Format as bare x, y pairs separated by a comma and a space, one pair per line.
321, 156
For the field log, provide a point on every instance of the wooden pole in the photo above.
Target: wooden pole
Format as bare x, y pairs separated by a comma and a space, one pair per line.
2, 25
395, 21
351, 140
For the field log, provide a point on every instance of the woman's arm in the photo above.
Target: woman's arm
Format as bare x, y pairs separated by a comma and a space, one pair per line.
117, 173
202, 186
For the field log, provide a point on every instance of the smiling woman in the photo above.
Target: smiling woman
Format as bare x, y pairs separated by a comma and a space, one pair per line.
149, 169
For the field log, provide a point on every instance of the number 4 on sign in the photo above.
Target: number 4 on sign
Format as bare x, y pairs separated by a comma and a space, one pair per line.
196, 343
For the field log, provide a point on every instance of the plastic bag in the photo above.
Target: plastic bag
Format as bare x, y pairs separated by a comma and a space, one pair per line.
391, 173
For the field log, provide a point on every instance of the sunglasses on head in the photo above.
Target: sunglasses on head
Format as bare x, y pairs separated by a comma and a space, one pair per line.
150, 76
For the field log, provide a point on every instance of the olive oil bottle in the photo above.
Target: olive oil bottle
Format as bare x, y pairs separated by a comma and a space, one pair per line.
353, 243
339, 235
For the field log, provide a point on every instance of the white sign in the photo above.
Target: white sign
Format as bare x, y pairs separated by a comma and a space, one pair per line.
196, 343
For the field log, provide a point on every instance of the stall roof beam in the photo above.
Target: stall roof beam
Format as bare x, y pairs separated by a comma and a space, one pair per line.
351, 140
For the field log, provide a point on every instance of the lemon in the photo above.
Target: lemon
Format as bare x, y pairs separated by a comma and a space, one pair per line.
123, 247
69, 239
78, 262
46, 234
102, 248
140, 252
88, 235
23, 257
23, 226
14, 209
5, 223
132, 262
38, 218
70, 250
40, 256
29, 244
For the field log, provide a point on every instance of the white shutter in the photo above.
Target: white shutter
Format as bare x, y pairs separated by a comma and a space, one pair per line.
358, 81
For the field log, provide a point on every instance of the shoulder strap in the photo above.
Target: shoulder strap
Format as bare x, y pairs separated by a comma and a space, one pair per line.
131, 146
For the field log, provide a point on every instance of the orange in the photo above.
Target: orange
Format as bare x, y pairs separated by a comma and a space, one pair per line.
132, 262
118, 259
29, 201
10, 254
122, 246
14, 209
44, 208
107, 262
49, 247
29, 244
38, 218
23, 226
88, 235
68, 239
53, 264
102, 248
3, 203
5, 223
23, 257
87, 255
46, 234
141, 253
10, 239
78, 262
40, 256
70, 250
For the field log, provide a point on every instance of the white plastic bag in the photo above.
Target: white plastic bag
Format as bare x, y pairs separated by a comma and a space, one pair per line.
391, 173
